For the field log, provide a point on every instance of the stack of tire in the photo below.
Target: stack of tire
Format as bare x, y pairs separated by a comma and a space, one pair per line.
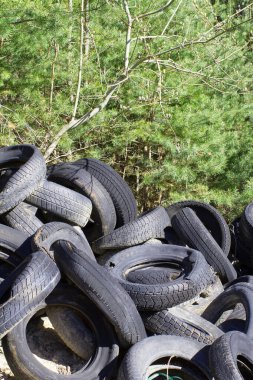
153, 296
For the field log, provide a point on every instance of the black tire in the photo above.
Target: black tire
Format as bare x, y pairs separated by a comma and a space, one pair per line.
153, 275
238, 293
103, 211
246, 225
63, 202
195, 275
69, 325
29, 284
210, 217
149, 225
193, 232
138, 359
14, 245
232, 325
180, 322
231, 357
121, 194
26, 367
50, 233
26, 179
5, 270
95, 282
22, 219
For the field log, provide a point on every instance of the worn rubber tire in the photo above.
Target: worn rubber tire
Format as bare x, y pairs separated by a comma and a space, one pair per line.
210, 217
246, 225
69, 326
147, 226
138, 359
223, 357
180, 322
50, 233
193, 232
63, 202
94, 281
22, 219
26, 179
29, 284
14, 245
23, 363
195, 276
121, 194
103, 211
238, 293
152, 275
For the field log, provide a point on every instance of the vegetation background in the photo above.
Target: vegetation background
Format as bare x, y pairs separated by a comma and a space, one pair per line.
161, 90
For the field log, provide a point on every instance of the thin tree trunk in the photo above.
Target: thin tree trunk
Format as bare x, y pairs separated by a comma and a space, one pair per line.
87, 32
70, 32
80, 61
56, 51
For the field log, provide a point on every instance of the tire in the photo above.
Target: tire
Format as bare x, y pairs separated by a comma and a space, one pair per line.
23, 363
152, 275
232, 325
51, 233
210, 217
26, 179
149, 225
193, 232
180, 322
246, 225
195, 275
69, 325
138, 359
5, 270
29, 284
103, 210
63, 202
93, 280
236, 351
14, 245
238, 293
121, 194
22, 219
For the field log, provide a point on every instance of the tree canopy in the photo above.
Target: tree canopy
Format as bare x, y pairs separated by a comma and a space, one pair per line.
160, 90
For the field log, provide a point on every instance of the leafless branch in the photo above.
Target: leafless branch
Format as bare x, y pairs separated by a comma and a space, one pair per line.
128, 35
155, 11
80, 61
171, 17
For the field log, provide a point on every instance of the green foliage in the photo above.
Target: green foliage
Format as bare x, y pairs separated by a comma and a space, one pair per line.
180, 129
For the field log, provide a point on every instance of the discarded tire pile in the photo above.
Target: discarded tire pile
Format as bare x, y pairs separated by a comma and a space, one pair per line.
135, 298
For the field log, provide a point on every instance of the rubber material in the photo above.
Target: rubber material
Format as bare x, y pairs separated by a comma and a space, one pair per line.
93, 280
103, 211
238, 293
22, 219
29, 284
210, 217
121, 194
149, 225
50, 233
26, 179
138, 359
26, 367
180, 322
14, 245
190, 228
70, 327
63, 202
227, 349
195, 274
